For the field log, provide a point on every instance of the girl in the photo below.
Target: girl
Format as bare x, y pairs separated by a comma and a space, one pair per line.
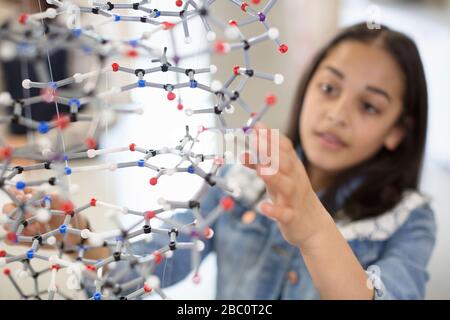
359, 123
344, 219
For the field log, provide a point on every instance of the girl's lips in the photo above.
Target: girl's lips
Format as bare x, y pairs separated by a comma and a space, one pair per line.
331, 141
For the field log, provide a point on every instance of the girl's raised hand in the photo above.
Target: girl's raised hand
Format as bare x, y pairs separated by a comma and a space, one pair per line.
304, 222
294, 204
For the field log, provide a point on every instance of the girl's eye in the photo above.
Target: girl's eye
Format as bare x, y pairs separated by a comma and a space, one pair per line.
327, 88
370, 108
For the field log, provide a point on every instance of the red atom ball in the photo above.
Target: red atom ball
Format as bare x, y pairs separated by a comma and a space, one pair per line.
158, 257
62, 122
6, 152
171, 96
67, 207
147, 288
227, 203
283, 48
168, 25
23, 18
90, 143
11, 236
149, 215
90, 267
271, 99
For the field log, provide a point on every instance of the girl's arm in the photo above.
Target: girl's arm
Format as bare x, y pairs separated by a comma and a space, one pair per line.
305, 223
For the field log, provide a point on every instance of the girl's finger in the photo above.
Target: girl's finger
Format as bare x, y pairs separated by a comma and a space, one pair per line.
282, 214
262, 147
279, 184
22, 197
284, 161
14, 191
275, 151
258, 140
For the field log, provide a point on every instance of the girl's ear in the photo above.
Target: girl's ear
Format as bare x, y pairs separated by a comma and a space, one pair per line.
395, 137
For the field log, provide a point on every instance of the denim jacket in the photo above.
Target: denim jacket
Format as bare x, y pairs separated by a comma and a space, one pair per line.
255, 262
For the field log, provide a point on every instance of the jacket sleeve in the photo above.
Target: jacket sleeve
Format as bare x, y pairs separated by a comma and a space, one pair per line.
401, 271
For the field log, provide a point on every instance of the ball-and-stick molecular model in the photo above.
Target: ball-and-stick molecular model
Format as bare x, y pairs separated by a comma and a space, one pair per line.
62, 27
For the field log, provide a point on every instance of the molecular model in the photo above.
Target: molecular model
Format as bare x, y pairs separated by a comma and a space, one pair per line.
61, 26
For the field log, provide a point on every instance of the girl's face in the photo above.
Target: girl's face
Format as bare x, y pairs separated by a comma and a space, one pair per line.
351, 107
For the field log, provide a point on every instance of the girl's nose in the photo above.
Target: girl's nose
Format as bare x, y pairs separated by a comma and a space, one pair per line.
338, 113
